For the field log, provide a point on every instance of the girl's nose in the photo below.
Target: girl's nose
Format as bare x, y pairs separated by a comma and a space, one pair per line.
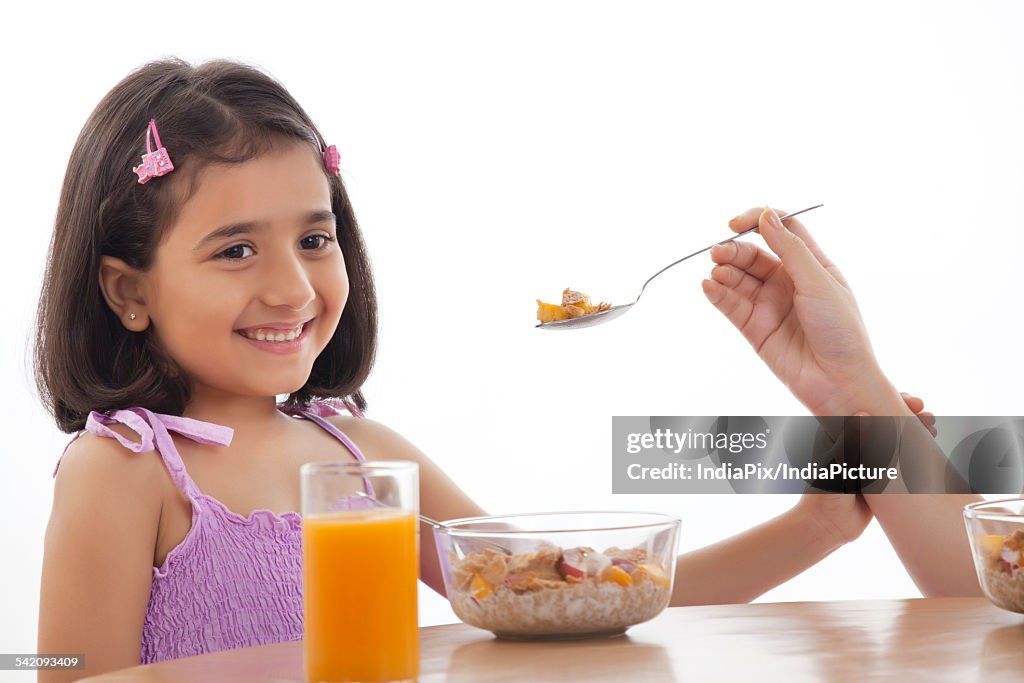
288, 284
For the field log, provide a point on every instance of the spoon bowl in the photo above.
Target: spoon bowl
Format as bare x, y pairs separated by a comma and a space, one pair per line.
590, 320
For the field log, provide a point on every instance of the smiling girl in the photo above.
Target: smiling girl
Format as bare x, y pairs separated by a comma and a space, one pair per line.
177, 304
182, 296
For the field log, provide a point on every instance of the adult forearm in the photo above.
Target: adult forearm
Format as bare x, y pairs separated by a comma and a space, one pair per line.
925, 529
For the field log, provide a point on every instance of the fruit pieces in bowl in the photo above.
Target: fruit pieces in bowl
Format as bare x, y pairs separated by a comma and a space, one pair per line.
574, 305
551, 592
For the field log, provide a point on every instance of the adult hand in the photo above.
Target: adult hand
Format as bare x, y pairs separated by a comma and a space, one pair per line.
798, 312
916, 406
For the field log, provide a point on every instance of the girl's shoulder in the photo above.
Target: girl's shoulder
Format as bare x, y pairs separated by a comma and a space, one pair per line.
376, 440
352, 425
92, 455
88, 441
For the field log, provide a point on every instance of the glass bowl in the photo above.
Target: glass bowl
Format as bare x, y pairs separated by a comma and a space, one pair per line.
996, 531
560, 575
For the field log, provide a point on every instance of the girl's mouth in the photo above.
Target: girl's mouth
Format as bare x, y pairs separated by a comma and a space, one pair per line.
275, 340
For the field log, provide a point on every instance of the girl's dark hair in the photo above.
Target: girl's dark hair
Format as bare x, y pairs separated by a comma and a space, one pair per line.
217, 112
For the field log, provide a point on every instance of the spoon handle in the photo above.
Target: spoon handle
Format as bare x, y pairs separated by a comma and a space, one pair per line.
696, 253
430, 522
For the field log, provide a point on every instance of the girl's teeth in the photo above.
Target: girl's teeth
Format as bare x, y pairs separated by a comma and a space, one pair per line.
272, 336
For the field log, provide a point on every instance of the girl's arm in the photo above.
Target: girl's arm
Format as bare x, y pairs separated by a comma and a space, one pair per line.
741, 568
721, 573
98, 556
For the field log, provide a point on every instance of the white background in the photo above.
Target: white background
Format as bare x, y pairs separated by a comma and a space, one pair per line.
496, 154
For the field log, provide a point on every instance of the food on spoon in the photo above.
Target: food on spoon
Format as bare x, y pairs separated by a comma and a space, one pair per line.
547, 313
574, 305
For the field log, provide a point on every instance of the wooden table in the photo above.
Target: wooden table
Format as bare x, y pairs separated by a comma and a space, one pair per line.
921, 641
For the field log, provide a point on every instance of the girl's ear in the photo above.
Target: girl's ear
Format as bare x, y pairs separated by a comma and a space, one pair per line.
121, 287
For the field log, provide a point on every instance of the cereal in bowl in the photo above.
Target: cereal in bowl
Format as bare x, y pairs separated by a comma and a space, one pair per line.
1002, 573
551, 592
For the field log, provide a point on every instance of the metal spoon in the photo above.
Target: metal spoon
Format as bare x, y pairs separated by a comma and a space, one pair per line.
497, 547
440, 525
615, 311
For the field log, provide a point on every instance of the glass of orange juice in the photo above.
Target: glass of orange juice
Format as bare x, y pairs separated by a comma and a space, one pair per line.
360, 564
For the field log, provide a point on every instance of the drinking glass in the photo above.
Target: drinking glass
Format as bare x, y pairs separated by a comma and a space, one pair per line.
360, 564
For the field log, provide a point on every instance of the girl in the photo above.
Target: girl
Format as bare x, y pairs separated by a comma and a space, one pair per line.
794, 306
182, 295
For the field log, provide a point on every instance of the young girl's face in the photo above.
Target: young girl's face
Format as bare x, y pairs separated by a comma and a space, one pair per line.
253, 253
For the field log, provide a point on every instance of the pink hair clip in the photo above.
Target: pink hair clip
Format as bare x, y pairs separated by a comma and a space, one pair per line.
154, 164
332, 160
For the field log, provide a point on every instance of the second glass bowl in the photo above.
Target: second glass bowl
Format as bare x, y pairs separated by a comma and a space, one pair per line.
996, 532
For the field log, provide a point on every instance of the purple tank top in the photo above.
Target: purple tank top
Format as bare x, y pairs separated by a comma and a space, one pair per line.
233, 581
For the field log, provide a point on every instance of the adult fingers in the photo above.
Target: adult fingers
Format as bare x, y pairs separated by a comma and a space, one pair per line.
803, 267
746, 285
734, 306
748, 219
915, 404
928, 420
746, 256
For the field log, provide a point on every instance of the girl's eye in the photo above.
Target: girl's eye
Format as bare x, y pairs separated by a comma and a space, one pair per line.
235, 252
317, 242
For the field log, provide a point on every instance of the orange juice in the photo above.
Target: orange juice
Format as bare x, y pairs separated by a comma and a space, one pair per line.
359, 585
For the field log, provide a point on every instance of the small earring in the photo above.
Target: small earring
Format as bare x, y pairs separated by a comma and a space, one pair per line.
131, 316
